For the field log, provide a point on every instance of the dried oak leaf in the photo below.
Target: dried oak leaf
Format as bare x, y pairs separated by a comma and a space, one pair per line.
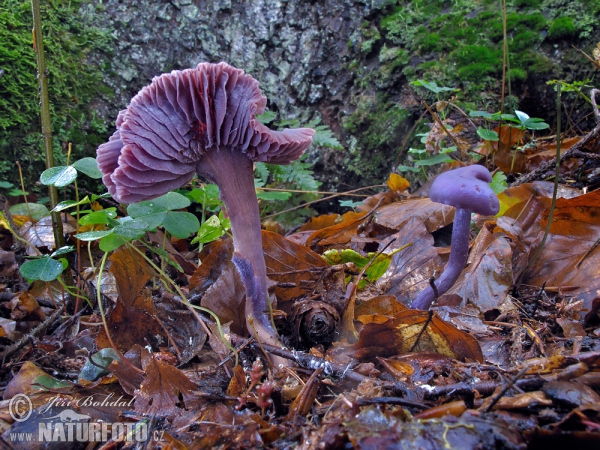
165, 389
132, 273
129, 326
434, 215
407, 333
295, 268
185, 333
338, 234
410, 269
571, 255
505, 157
488, 277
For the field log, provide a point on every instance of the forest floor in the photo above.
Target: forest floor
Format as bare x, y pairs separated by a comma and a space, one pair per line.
508, 358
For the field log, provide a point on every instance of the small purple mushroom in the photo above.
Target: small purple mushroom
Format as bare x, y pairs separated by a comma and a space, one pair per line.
468, 190
202, 120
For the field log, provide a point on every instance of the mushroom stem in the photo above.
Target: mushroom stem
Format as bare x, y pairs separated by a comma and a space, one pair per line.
459, 249
233, 173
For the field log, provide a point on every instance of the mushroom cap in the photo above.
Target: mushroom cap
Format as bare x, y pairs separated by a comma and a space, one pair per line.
170, 124
466, 188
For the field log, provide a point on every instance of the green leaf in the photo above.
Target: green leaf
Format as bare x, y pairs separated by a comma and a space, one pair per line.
273, 195
437, 159
70, 203
171, 201
17, 192
402, 168
261, 169
5, 184
149, 212
98, 366
99, 217
207, 196
58, 176
209, 231
536, 124
498, 183
93, 235
487, 135
37, 211
267, 117
88, 166
349, 203
324, 138
112, 242
181, 224
44, 269
433, 87
523, 117
130, 229
484, 114
63, 250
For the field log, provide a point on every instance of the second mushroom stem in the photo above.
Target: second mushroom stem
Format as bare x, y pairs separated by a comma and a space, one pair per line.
233, 173
458, 257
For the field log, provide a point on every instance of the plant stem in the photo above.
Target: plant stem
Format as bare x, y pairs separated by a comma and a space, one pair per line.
42, 75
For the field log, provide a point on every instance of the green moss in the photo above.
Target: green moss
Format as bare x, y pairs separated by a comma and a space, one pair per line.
429, 43
379, 126
73, 83
562, 27
475, 61
526, 3
518, 75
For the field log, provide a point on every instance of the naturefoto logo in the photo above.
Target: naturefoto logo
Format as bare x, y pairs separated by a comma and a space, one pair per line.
70, 426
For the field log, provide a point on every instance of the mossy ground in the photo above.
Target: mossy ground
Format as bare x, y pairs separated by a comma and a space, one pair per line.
460, 44
73, 86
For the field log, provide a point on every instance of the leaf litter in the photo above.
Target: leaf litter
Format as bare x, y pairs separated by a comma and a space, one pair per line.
508, 358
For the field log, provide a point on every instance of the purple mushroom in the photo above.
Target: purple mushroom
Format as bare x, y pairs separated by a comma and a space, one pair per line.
202, 120
468, 190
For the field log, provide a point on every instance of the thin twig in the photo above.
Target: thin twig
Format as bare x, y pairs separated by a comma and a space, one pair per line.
571, 153
55, 316
323, 199
441, 124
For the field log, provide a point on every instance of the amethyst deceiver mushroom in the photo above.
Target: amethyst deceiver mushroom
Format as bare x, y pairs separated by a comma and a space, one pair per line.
468, 190
203, 120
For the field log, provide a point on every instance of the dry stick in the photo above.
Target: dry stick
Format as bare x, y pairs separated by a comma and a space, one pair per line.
9, 351
42, 75
506, 389
312, 362
323, 199
440, 123
574, 151
405, 141
299, 191
555, 192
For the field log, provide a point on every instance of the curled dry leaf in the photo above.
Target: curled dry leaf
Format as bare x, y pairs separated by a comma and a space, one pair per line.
416, 331
339, 234
185, 333
411, 268
488, 277
571, 255
165, 389
129, 326
131, 272
434, 215
295, 268
504, 156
